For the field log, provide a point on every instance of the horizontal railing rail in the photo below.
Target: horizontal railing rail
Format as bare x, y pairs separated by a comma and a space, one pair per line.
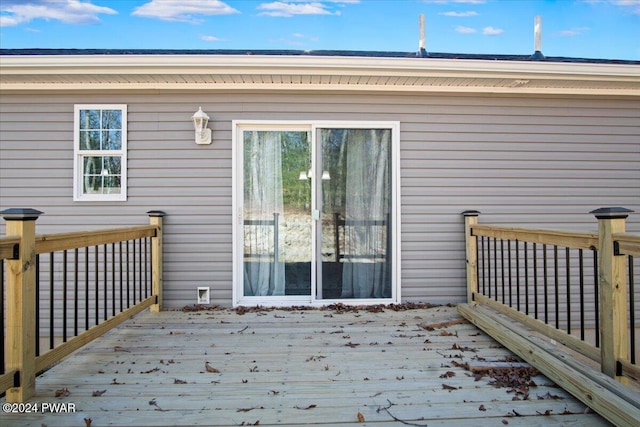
63, 290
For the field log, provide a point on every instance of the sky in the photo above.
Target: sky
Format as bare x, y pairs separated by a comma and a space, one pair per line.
603, 29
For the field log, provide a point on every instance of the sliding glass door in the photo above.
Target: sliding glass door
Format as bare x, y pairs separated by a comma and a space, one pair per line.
316, 212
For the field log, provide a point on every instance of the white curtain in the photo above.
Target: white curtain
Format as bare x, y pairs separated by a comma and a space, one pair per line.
367, 203
263, 273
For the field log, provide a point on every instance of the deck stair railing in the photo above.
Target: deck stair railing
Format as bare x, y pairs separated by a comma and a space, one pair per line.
60, 291
576, 289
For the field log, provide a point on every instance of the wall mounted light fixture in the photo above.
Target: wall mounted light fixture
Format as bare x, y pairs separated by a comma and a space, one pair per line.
200, 120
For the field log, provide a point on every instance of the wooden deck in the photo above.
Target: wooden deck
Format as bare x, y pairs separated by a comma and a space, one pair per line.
297, 367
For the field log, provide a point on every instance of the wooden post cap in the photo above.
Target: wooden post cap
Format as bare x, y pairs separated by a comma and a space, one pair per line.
470, 213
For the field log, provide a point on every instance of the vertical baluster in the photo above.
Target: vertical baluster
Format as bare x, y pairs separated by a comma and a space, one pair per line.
535, 280
568, 272
140, 267
510, 275
75, 293
128, 277
581, 262
526, 278
113, 279
597, 296
502, 267
120, 271
134, 272
147, 261
96, 283
632, 311
37, 307
546, 284
517, 275
489, 267
64, 296
51, 311
104, 283
86, 288
556, 285
495, 268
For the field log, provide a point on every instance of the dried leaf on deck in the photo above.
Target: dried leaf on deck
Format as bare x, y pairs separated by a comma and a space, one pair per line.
98, 393
87, 422
305, 408
210, 368
448, 374
63, 392
119, 348
433, 326
482, 408
352, 345
360, 418
448, 387
179, 381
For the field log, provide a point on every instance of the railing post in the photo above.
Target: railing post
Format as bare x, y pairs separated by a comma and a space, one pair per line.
155, 219
612, 288
20, 339
471, 244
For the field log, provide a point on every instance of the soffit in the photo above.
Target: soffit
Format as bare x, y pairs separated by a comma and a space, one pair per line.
237, 72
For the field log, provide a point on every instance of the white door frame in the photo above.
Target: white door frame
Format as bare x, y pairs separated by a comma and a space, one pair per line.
238, 126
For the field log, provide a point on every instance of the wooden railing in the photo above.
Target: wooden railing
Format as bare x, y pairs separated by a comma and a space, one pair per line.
117, 273
575, 289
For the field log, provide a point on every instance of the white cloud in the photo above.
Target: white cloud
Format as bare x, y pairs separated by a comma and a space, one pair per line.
288, 9
209, 38
183, 10
490, 31
459, 14
632, 6
573, 32
465, 30
68, 11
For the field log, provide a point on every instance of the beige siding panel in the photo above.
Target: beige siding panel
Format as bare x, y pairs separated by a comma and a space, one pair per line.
521, 161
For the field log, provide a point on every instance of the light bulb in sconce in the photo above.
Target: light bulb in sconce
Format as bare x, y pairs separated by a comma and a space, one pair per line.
326, 176
303, 176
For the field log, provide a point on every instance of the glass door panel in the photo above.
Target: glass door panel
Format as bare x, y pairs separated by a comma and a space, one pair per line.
277, 229
354, 254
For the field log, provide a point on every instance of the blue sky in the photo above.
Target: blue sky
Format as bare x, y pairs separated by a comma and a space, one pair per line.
606, 29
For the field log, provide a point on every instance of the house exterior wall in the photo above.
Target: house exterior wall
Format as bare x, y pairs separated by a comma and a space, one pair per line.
521, 161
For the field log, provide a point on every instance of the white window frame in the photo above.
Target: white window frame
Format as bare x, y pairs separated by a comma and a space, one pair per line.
238, 126
78, 171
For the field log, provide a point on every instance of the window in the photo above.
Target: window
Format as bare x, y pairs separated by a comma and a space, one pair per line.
100, 147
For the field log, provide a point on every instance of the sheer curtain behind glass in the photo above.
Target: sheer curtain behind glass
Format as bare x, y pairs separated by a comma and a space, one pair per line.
263, 274
366, 159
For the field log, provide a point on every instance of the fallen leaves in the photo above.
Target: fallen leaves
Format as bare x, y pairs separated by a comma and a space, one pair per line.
360, 417
98, 393
63, 392
306, 408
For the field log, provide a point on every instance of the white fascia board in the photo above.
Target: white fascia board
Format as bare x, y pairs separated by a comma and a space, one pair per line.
317, 65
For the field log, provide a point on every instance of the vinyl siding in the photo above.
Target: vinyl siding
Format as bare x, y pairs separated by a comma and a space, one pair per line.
521, 161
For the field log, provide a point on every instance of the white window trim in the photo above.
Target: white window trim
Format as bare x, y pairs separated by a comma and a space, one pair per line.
238, 126
78, 195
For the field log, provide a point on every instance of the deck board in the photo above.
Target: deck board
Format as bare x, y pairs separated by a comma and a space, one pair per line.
294, 367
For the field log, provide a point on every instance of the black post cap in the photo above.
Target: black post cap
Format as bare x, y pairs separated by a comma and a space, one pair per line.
21, 214
611, 212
